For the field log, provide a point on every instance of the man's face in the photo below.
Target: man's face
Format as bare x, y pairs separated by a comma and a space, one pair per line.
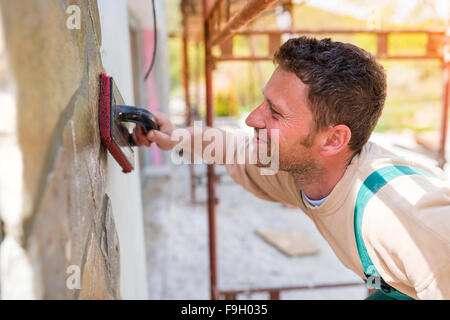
285, 107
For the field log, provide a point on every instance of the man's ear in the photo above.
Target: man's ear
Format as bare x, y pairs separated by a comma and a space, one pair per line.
335, 139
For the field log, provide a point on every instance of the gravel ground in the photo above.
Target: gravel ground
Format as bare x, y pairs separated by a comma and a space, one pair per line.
177, 239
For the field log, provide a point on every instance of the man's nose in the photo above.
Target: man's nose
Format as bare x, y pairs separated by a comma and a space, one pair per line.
255, 119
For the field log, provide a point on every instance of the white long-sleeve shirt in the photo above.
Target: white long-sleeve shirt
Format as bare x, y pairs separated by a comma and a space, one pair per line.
406, 224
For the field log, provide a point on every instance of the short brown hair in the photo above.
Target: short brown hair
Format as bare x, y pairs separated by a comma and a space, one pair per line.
346, 84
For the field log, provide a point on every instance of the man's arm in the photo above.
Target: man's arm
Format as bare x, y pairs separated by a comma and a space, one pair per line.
278, 187
188, 138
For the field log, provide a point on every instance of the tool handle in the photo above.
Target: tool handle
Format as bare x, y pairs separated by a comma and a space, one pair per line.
140, 116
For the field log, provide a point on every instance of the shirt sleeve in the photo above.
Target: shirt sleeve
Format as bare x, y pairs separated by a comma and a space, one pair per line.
278, 187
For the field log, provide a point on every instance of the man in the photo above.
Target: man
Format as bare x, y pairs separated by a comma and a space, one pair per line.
324, 99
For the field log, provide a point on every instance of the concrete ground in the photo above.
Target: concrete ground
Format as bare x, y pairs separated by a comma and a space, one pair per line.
177, 239
177, 244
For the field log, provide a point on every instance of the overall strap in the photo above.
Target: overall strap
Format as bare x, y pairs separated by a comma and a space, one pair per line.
371, 185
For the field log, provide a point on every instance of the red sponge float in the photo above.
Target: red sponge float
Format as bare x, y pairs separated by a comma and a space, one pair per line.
113, 116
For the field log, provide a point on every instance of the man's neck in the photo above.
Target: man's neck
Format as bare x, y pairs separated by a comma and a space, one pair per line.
319, 184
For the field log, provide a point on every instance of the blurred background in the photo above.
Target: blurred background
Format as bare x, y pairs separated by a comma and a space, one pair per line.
415, 86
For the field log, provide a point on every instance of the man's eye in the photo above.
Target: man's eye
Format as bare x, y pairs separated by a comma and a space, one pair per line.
273, 111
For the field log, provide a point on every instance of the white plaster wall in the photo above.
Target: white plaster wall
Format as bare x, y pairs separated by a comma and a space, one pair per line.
158, 83
124, 189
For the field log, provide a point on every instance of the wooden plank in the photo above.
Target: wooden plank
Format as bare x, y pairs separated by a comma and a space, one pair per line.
291, 242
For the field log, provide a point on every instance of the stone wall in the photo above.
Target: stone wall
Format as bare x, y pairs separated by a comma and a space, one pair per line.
56, 216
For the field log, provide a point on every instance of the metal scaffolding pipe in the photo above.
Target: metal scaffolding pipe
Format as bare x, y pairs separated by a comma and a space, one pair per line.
185, 71
444, 120
185, 65
250, 11
213, 8
270, 58
294, 288
338, 31
211, 175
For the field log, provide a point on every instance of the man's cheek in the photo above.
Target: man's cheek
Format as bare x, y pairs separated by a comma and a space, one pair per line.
282, 144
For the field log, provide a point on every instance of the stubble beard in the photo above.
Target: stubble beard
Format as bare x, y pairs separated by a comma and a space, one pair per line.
305, 172
304, 169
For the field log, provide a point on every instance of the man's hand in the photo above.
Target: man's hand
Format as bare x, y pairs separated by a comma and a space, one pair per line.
161, 136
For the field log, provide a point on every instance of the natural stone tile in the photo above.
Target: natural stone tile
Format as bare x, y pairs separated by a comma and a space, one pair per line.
68, 215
